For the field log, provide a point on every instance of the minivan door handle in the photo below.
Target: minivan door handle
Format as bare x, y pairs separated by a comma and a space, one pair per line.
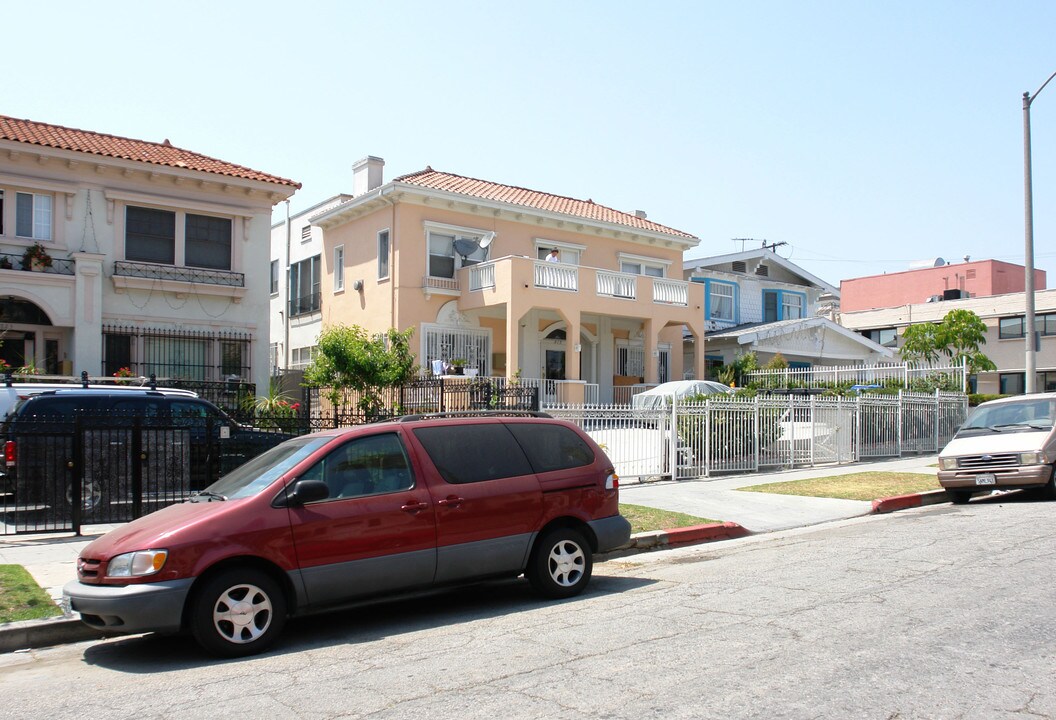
451, 501
414, 507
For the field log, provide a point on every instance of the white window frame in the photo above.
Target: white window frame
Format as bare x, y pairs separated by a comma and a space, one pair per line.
42, 214
446, 342
339, 269
456, 231
275, 277
383, 253
732, 297
642, 265
787, 307
568, 253
630, 358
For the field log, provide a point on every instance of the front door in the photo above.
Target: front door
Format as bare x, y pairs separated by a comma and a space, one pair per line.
555, 365
376, 532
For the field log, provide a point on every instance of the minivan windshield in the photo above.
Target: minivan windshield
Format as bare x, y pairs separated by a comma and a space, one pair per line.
1019, 416
260, 472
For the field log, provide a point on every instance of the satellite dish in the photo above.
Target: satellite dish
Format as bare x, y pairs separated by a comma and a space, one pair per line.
486, 240
465, 247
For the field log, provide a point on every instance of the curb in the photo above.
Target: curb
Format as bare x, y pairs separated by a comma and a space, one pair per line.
26, 634
903, 502
677, 537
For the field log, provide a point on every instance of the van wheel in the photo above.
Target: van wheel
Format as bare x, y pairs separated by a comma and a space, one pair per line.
561, 564
1048, 491
238, 612
958, 498
92, 496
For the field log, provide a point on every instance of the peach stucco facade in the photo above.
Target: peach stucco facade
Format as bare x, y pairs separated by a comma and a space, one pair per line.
979, 278
613, 307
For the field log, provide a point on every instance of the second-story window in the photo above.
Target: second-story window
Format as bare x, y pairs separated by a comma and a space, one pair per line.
207, 242
791, 306
274, 276
721, 301
449, 252
339, 268
383, 254
305, 284
150, 235
154, 235
33, 216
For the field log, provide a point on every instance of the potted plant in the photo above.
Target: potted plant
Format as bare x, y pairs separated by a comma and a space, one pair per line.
458, 366
36, 258
123, 375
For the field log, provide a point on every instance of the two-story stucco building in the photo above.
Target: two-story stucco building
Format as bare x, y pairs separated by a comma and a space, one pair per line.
464, 263
158, 256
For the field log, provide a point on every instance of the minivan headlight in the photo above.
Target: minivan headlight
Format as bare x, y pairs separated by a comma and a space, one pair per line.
948, 463
1036, 457
137, 564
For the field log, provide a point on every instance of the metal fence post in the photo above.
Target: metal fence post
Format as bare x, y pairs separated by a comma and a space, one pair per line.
672, 442
76, 467
899, 418
707, 437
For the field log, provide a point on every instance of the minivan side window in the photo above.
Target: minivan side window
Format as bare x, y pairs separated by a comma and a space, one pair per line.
552, 447
364, 466
473, 453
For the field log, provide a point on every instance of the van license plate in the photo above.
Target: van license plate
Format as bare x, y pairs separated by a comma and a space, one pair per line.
986, 479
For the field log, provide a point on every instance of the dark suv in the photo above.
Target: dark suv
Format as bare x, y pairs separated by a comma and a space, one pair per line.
183, 443
351, 515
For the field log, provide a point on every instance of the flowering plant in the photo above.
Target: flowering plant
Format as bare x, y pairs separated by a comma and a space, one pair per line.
36, 253
124, 373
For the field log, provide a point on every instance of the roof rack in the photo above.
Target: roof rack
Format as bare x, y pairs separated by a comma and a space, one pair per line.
472, 414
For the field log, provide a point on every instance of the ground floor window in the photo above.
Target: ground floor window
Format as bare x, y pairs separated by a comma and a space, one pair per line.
1011, 383
630, 359
176, 354
449, 343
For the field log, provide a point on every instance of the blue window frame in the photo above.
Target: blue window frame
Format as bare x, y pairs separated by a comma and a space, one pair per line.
720, 300
783, 305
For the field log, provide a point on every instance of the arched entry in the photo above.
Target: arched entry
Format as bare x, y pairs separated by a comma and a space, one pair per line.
553, 348
27, 336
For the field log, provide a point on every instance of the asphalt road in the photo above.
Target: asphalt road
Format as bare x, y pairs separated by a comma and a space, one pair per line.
938, 612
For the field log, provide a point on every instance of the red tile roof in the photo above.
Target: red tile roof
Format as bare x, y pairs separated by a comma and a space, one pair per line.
487, 190
93, 143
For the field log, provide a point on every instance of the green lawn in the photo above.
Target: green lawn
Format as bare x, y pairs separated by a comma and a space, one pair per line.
645, 519
21, 598
856, 486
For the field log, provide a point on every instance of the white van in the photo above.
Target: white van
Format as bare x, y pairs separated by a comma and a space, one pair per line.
1004, 444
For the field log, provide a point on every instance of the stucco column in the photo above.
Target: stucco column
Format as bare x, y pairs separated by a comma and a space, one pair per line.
513, 340
606, 358
572, 343
649, 350
699, 363
87, 351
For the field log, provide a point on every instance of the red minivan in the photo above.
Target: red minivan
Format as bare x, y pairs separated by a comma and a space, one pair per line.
346, 516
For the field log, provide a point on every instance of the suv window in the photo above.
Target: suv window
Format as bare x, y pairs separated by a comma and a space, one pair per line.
365, 466
552, 447
473, 453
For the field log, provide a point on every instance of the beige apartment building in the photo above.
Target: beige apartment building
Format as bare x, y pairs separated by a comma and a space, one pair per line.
1005, 336
464, 262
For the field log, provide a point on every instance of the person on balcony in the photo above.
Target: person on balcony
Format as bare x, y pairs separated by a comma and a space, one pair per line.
552, 257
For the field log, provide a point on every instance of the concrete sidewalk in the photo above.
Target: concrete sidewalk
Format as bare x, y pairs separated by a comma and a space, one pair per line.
718, 498
52, 559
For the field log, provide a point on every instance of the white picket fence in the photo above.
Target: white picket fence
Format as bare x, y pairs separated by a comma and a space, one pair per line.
725, 435
822, 376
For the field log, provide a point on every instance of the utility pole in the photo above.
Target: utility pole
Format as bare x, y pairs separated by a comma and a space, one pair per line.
772, 247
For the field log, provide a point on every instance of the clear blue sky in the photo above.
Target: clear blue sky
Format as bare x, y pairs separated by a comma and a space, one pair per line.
866, 135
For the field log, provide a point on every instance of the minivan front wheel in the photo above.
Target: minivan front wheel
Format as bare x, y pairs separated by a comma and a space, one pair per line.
561, 564
238, 612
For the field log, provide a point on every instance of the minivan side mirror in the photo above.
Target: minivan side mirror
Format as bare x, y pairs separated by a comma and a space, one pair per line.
300, 492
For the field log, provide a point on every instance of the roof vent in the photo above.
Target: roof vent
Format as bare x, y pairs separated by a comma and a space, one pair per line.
739, 266
763, 270
640, 214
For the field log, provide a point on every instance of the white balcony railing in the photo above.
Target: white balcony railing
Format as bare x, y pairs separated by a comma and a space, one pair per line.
482, 276
556, 276
670, 292
621, 285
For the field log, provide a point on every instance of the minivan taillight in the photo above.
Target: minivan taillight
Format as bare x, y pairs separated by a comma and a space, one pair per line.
9, 453
612, 481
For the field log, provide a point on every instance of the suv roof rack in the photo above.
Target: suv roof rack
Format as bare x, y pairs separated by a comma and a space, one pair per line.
472, 414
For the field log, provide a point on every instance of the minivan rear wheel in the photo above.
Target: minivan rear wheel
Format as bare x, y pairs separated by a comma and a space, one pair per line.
238, 612
561, 564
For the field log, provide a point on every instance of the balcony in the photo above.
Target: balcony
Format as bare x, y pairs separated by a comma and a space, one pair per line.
178, 280
549, 284
59, 266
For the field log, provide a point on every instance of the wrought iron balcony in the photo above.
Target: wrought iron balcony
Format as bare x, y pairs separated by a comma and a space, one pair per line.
127, 268
59, 266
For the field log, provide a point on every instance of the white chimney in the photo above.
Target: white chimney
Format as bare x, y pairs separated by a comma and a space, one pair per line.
367, 175
640, 214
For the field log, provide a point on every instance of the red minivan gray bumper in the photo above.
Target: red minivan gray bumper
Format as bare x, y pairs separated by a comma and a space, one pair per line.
124, 609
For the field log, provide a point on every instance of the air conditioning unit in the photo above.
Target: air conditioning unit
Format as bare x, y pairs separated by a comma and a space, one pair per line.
934, 298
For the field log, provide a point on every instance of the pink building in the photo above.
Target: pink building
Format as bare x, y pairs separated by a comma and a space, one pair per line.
979, 278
